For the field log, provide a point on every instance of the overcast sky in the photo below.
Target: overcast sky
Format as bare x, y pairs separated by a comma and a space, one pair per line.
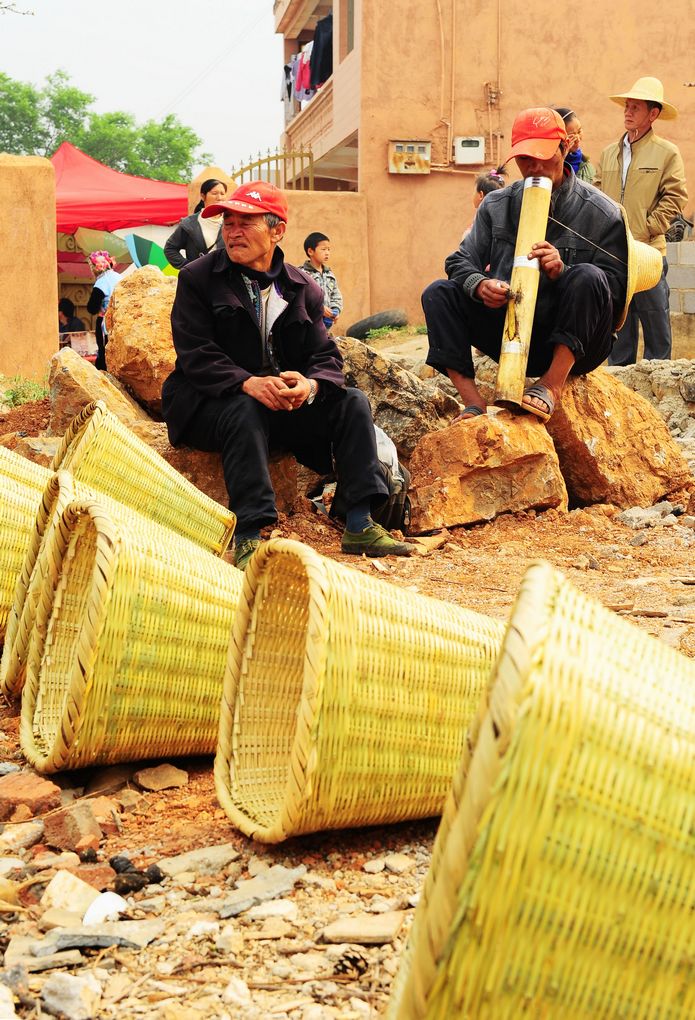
215, 64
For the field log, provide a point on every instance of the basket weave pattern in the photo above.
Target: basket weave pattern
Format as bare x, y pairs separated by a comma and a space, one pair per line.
22, 483
346, 699
563, 878
100, 451
127, 657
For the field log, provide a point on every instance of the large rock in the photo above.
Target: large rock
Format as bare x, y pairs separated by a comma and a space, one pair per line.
613, 446
140, 351
74, 382
482, 467
668, 385
404, 406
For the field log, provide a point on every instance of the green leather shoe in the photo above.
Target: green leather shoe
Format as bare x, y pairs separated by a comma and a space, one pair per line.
373, 541
244, 551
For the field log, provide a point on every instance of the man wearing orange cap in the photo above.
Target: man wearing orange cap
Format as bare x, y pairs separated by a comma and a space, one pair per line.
583, 276
645, 173
255, 369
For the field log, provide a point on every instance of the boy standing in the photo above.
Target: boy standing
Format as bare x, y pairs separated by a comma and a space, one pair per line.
317, 248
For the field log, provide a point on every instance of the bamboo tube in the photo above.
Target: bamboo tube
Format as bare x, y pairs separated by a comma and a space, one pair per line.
523, 290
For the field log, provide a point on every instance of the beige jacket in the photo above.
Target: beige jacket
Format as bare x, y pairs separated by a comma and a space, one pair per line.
655, 190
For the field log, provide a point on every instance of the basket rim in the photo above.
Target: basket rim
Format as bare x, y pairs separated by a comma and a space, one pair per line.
96, 609
18, 633
298, 766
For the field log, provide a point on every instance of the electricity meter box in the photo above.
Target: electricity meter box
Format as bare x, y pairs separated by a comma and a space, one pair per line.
469, 150
409, 156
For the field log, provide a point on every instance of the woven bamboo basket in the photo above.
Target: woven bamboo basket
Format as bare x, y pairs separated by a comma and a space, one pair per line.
346, 699
60, 490
563, 875
128, 654
103, 453
22, 483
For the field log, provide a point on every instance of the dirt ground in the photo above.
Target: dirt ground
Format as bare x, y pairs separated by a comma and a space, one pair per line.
479, 567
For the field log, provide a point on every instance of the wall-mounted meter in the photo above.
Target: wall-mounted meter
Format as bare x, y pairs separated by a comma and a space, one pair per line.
469, 149
411, 156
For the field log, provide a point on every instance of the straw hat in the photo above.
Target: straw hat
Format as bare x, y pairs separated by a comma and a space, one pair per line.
644, 267
651, 90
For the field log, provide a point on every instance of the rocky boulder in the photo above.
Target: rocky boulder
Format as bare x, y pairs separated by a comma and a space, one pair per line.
140, 351
404, 406
613, 446
73, 382
479, 468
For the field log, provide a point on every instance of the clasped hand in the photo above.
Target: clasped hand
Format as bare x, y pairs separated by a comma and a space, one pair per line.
283, 392
495, 293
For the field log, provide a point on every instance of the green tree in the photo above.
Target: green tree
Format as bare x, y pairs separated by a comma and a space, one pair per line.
34, 121
21, 130
63, 110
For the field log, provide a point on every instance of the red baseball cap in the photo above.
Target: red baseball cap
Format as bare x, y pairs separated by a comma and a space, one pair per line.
251, 198
537, 132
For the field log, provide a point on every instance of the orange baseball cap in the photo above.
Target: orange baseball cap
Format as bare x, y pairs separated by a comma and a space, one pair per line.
537, 132
252, 197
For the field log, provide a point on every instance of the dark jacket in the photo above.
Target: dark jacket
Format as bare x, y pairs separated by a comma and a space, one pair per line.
492, 239
188, 236
218, 341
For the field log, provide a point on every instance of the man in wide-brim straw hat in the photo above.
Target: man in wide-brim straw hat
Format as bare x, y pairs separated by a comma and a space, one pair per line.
645, 173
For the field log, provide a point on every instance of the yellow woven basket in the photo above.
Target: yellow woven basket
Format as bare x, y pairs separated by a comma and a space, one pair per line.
346, 699
102, 452
60, 490
22, 484
128, 654
562, 882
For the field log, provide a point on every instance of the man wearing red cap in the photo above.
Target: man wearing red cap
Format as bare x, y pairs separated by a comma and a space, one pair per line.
645, 173
583, 276
255, 369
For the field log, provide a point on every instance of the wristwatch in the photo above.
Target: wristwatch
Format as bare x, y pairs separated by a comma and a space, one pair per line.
314, 388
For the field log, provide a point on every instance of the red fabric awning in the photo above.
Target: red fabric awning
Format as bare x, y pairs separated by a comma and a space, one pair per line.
89, 194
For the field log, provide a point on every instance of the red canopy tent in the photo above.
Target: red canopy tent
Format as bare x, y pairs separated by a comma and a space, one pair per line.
89, 194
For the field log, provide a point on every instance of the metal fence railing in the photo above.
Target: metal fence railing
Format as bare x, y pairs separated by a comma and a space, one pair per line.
286, 169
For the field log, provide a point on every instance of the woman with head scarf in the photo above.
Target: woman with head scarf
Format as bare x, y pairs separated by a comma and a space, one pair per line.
194, 235
105, 280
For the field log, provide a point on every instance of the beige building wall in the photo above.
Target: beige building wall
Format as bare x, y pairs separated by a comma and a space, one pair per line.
29, 279
433, 69
342, 217
532, 55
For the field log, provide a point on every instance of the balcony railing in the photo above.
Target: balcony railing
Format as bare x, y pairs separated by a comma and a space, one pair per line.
284, 168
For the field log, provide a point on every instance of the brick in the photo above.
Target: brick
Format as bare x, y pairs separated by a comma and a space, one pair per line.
688, 298
681, 277
100, 876
672, 253
27, 788
686, 254
675, 301
65, 829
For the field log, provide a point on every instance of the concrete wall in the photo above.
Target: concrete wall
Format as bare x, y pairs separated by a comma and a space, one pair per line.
341, 216
28, 278
426, 79
681, 276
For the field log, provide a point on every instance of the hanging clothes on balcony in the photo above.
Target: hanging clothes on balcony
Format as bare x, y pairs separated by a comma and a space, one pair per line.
322, 52
302, 74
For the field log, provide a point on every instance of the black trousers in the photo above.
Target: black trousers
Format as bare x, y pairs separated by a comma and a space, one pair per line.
582, 316
101, 343
336, 430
